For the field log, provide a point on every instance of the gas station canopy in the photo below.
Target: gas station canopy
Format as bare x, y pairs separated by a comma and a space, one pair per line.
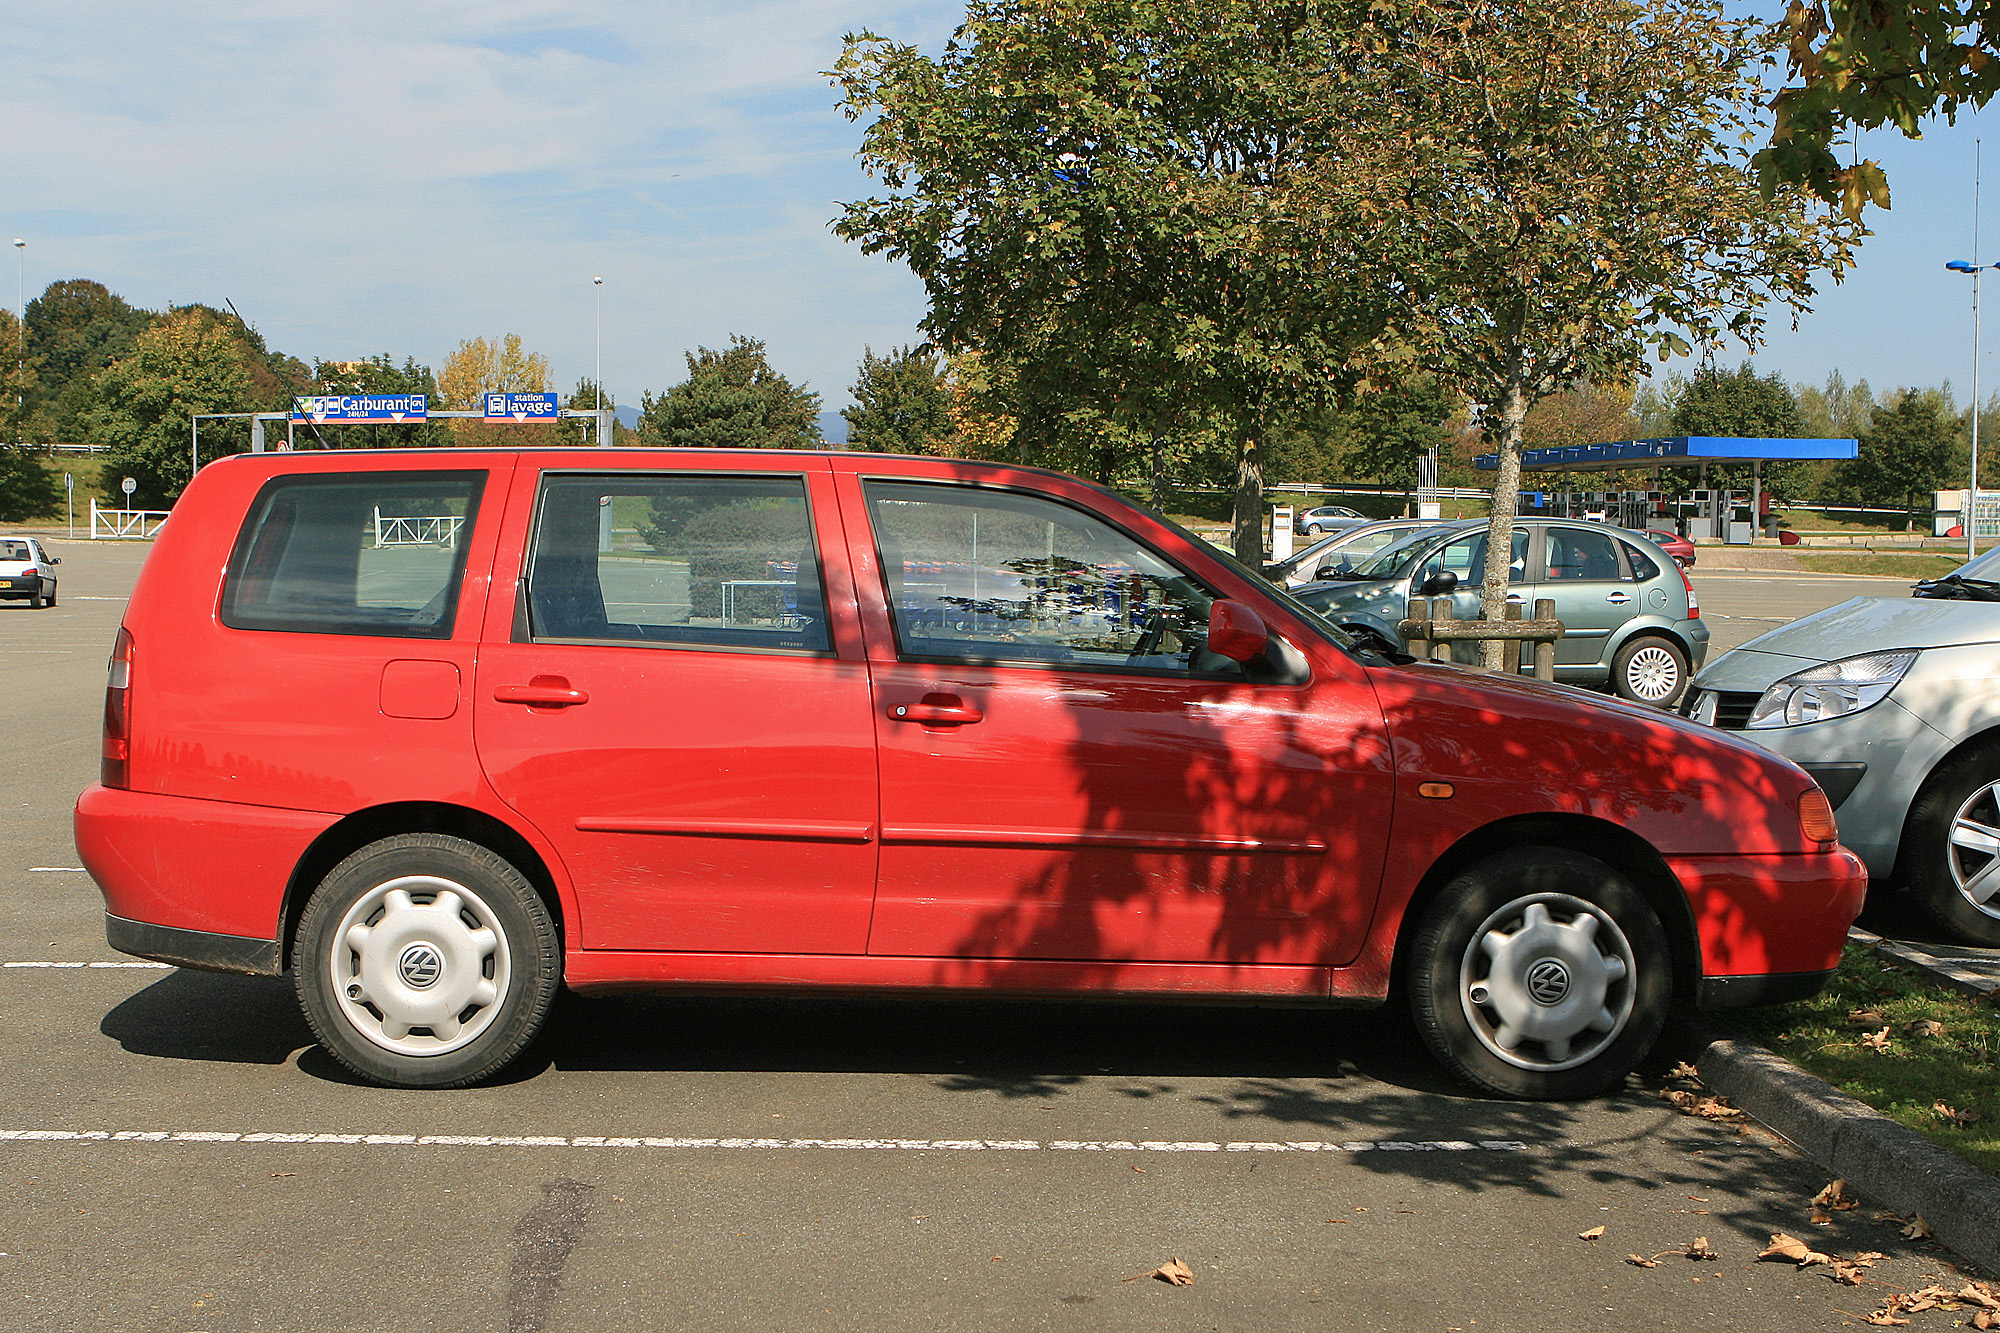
1672, 451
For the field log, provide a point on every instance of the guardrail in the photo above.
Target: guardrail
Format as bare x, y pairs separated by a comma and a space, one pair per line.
124, 524
1433, 627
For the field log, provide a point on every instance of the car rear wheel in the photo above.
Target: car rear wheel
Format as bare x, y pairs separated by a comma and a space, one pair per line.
1540, 973
1950, 857
1650, 670
426, 961
36, 601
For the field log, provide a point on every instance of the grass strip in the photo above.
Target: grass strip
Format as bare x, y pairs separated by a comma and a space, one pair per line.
1914, 1074
1888, 566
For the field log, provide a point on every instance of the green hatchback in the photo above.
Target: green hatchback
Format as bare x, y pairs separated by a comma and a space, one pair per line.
1630, 617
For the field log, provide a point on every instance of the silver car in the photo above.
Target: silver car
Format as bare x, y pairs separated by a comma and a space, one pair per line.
1333, 557
1893, 705
1630, 617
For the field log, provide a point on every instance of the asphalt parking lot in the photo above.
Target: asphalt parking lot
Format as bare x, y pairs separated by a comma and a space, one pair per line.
180, 1158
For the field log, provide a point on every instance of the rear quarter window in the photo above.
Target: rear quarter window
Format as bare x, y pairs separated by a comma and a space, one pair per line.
354, 553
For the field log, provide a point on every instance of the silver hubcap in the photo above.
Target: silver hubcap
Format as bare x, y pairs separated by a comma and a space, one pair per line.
1652, 674
1975, 849
420, 965
1547, 982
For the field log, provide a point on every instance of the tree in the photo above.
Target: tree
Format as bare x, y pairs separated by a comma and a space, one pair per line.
75, 328
1867, 63
188, 362
1909, 448
503, 366
589, 396
1741, 404
1555, 189
1103, 195
901, 404
731, 399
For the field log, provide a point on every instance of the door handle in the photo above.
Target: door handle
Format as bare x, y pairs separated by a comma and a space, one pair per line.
953, 714
1618, 598
541, 692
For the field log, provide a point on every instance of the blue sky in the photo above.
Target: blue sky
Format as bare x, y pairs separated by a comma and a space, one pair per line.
371, 177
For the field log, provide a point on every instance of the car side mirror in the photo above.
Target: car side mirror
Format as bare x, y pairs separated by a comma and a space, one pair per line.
55, 560
1329, 570
1438, 584
1236, 632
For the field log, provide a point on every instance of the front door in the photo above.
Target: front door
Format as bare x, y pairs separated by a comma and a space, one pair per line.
1069, 773
677, 712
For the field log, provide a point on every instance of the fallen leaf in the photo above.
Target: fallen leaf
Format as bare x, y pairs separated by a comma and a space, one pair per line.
1925, 1027
1845, 1273
1978, 1293
1640, 1261
1822, 1218
1836, 1197
1866, 1018
1683, 1070
1867, 1258
1699, 1248
1877, 1041
1793, 1250
279, 1175
1884, 1319
1175, 1273
1592, 1234
1985, 1319
1917, 1229
1946, 1113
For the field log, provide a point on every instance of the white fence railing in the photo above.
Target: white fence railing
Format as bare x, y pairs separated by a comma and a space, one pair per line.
438, 530
124, 524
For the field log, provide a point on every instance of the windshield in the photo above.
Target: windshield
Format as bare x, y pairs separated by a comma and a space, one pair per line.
1396, 559
1986, 568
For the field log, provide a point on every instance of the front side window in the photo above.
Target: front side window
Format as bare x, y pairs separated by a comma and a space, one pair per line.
991, 576
715, 561
354, 553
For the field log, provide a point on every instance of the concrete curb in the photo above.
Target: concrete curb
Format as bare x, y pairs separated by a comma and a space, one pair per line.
1978, 978
1895, 1166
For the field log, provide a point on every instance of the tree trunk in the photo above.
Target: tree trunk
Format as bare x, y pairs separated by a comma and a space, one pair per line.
1500, 528
1159, 443
1247, 534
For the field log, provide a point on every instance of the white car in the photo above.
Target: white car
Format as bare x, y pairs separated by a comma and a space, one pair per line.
27, 572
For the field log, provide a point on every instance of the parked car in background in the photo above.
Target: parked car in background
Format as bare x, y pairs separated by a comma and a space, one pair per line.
790, 721
1893, 705
27, 572
1631, 619
1675, 545
1331, 557
1326, 518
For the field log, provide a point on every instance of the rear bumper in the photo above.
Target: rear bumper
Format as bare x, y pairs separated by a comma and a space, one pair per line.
21, 585
193, 948
1772, 988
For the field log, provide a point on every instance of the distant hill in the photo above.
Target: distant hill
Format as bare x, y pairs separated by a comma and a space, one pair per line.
833, 426
628, 417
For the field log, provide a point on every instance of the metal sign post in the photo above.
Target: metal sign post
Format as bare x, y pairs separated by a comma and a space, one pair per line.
128, 486
69, 499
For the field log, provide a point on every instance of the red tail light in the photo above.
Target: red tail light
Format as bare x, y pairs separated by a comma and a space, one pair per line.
113, 771
1694, 603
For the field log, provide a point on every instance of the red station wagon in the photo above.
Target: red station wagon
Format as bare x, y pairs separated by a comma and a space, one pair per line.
439, 732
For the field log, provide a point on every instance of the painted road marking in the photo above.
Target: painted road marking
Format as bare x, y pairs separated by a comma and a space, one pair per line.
1351, 1146
57, 870
164, 966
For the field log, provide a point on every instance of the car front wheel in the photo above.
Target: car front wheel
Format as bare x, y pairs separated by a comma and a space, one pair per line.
1540, 973
1650, 670
1950, 861
426, 961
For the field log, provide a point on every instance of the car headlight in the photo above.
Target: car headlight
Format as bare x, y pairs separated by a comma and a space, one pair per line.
1833, 689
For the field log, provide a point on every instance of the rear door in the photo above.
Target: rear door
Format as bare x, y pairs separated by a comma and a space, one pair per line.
674, 693
1584, 573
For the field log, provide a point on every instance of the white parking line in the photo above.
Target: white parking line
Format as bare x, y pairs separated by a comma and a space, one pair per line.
607, 1141
166, 966
57, 870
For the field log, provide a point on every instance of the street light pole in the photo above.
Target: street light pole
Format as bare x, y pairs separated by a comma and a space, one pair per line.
598, 285
21, 337
1976, 269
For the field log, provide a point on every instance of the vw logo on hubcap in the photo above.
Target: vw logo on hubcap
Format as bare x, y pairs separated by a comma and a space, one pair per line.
1548, 981
420, 966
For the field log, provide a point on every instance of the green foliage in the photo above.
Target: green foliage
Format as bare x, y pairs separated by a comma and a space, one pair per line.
75, 329
188, 362
901, 404
1105, 195
1867, 63
27, 488
1910, 448
1742, 404
731, 399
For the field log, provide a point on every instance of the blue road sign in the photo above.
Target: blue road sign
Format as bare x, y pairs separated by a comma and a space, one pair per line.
516, 407
362, 407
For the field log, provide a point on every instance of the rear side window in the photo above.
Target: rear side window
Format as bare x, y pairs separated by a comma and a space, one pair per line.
675, 560
377, 553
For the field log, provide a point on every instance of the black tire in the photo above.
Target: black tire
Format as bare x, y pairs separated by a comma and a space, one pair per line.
52, 594
410, 994
1464, 996
1650, 669
1939, 864
35, 600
